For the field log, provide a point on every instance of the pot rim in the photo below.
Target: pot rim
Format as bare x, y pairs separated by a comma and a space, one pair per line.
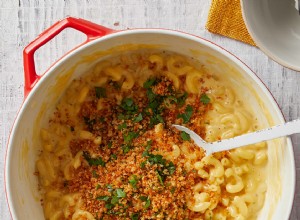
87, 44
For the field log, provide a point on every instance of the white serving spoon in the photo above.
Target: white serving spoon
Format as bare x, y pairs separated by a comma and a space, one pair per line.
277, 131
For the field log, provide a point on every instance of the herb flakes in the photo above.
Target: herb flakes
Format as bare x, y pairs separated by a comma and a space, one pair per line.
186, 116
129, 106
93, 161
100, 92
135, 216
130, 136
147, 201
133, 181
185, 136
204, 99
138, 118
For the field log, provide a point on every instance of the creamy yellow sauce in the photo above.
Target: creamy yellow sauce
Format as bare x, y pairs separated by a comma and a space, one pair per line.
224, 81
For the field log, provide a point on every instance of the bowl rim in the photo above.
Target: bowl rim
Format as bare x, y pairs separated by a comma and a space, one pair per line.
261, 46
171, 33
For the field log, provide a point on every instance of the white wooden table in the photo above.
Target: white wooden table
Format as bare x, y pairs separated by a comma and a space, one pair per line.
22, 20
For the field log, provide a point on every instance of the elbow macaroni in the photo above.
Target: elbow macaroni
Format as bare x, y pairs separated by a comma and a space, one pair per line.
226, 180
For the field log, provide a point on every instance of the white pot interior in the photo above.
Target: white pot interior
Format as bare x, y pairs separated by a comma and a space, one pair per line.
21, 183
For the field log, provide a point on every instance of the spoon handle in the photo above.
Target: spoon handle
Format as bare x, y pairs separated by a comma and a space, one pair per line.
277, 131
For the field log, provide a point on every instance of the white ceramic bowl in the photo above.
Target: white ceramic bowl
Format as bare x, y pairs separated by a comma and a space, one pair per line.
274, 25
21, 183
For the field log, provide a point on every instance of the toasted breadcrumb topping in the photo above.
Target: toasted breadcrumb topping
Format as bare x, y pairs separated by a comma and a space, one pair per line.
132, 174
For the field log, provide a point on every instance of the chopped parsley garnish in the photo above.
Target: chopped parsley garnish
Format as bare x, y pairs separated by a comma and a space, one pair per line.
143, 164
122, 126
109, 187
98, 186
150, 82
133, 181
113, 199
121, 116
127, 102
109, 206
147, 201
113, 156
116, 85
117, 195
101, 119
151, 96
103, 198
100, 92
181, 99
143, 198
126, 148
160, 178
109, 145
171, 168
149, 143
138, 118
95, 174
93, 161
148, 146
156, 159
173, 189
156, 119
129, 106
157, 103
120, 193
170, 99
89, 122
154, 108
185, 136
165, 167
186, 116
135, 216
204, 99
130, 136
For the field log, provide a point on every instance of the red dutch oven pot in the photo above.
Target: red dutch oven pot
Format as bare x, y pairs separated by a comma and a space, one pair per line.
43, 91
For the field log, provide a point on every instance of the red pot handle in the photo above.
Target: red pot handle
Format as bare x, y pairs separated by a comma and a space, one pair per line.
91, 30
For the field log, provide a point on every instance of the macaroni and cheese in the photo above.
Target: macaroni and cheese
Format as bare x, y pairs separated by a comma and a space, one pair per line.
110, 151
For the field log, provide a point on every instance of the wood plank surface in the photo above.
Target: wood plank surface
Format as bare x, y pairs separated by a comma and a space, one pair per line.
22, 20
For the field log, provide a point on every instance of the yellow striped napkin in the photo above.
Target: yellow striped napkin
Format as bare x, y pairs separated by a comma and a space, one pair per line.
225, 18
